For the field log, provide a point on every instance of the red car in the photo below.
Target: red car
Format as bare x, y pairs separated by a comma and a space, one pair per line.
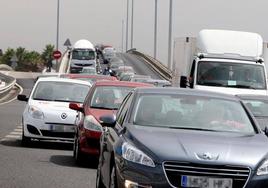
90, 78
104, 97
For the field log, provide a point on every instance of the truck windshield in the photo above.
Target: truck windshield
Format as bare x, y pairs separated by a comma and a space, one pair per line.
83, 55
226, 74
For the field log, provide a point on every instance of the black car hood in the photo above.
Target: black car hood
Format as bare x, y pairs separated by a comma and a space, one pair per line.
164, 144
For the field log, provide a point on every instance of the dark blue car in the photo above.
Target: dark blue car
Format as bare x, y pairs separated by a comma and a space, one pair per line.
167, 137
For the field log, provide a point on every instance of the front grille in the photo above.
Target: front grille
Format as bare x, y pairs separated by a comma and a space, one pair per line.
57, 134
83, 65
174, 171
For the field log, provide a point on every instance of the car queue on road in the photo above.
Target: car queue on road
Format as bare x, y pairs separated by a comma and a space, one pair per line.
145, 136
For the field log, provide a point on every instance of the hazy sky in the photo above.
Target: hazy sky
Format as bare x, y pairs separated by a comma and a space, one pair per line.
32, 23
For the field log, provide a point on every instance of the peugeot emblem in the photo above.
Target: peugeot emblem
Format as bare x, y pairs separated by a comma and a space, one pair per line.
207, 156
63, 116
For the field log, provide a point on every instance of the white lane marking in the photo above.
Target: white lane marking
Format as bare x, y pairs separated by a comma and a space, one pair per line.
12, 136
15, 133
18, 130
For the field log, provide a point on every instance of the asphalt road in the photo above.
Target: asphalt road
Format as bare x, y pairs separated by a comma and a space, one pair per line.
43, 164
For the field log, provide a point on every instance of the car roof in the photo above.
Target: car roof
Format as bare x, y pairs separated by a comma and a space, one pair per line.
122, 83
56, 79
90, 76
189, 92
253, 97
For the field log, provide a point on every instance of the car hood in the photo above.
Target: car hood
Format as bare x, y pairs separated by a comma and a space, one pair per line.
187, 145
53, 111
97, 113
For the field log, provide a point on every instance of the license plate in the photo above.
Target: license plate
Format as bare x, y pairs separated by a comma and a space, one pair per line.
61, 128
206, 182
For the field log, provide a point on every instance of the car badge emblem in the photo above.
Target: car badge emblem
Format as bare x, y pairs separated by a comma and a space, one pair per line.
207, 156
63, 116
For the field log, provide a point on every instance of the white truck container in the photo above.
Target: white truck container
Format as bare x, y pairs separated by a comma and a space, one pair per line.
83, 54
222, 61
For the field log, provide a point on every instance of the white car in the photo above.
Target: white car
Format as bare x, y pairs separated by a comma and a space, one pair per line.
47, 114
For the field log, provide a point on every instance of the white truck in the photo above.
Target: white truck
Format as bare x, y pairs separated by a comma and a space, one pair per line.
222, 61
83, 54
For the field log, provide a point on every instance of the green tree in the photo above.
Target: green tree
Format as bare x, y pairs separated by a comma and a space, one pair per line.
5, 59
47, 52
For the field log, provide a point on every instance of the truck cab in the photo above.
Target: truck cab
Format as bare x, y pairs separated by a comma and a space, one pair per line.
83, 54
223, 61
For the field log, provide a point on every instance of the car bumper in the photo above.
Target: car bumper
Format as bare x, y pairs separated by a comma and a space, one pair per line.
90, 142
140, 176
38, 129
129, 173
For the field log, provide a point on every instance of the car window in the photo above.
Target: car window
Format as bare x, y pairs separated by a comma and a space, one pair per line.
257, 107
124, 109
109, 97
179, 111
60, 91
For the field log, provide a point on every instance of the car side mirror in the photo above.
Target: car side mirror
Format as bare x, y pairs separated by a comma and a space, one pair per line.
265, 131
77, 107
108, 120
183, 82
22, 98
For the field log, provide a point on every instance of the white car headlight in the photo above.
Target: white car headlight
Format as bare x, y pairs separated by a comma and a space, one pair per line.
135, 155
35, 112
263, 169
90, 123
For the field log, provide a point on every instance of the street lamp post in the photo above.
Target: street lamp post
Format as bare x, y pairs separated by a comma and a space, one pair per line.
155, 29
127, 25
170, 33
58, 22
132, 18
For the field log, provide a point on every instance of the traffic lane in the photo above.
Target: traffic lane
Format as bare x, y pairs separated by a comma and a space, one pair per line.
138, 65
27, 85
41, 166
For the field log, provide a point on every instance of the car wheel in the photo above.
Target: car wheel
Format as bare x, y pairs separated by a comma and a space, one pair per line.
113, 180
99, 183
25, 141
78, 155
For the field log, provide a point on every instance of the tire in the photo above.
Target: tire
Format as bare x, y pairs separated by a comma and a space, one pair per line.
25, 141
78, 155
113, 180
99, 183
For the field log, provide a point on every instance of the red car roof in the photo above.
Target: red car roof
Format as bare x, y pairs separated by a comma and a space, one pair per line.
122, 83
100, 77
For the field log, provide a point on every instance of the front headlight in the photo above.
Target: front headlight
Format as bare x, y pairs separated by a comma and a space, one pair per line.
90, 123
35, 112
135, 155
263, 169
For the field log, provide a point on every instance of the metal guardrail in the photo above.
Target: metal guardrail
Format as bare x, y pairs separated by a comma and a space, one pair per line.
10, 82
156, 65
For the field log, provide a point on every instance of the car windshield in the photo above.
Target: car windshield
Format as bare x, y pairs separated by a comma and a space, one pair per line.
192, 112
236, 75
83, 54
60, 91
109, 97
258, 107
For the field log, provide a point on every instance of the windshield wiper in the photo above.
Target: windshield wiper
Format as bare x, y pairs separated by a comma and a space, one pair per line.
242, 86
212, 84
40, 99
105, 108
193, 128
61, 100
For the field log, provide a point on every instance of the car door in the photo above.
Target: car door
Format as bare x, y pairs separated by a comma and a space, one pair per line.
110, 137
